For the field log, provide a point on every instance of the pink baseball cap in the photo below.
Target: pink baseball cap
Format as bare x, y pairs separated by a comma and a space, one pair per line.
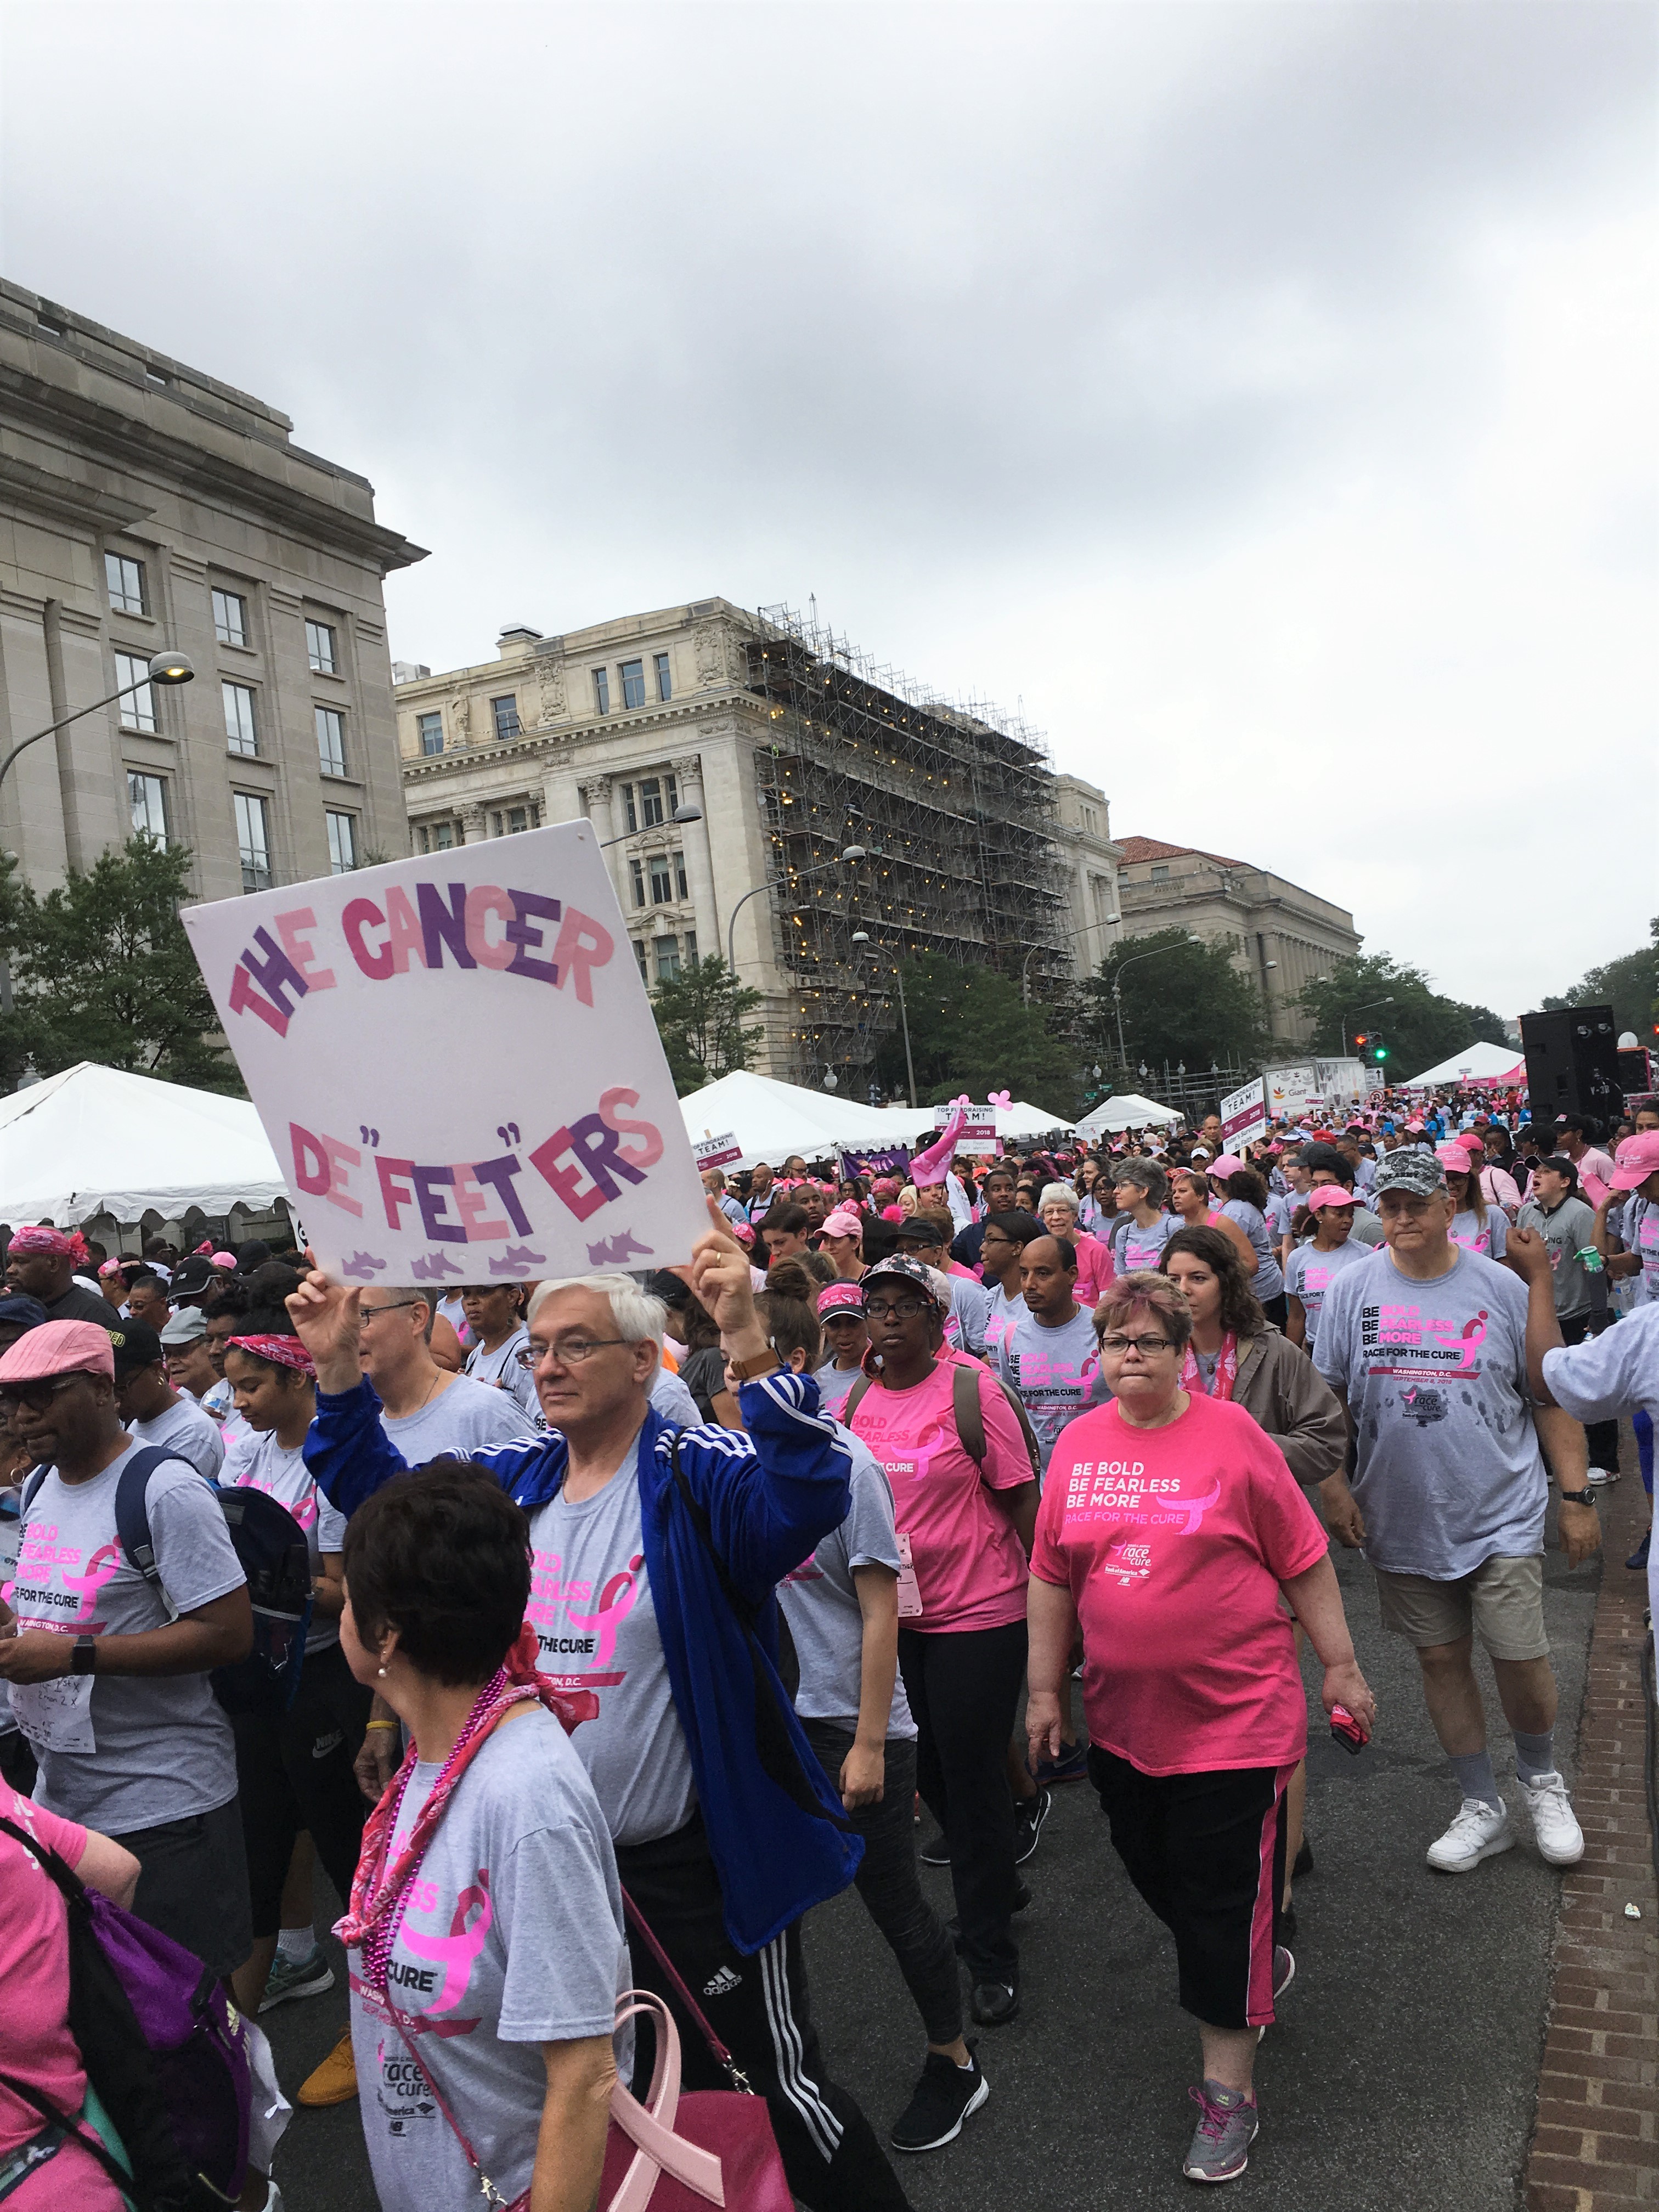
1636, 1159
1328, 1195
59, 1347
1457, 1158
840, 1298
1226, 1163
843, 1222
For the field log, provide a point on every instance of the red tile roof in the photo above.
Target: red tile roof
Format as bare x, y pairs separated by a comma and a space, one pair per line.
1152, 848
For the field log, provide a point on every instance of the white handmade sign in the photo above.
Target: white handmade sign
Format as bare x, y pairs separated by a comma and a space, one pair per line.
456, 1063
978, 1130
718, 1152
1243, 1116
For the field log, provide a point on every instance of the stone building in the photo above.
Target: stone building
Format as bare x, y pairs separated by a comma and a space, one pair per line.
144, 504
1284, 935
789, 749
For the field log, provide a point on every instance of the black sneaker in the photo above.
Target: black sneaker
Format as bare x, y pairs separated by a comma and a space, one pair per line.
938, 1853
995, 2005
945, 2096
1029, 1814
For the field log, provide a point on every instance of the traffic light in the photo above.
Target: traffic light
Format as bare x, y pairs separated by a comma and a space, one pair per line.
1379, 1052
1360, 1040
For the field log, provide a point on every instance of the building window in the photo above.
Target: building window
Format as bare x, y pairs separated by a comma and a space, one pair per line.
125, 579
146, 801
239, 718
638, 954
690, 948
341, 843
517, 818
633, 677
230, 617
331, 740
602, 691
651, 802
679, 874
253, 838
1089, 822
662, 885
1160, 875
137, 706
665, 686
638, 873
667, 950
505, 712
673, 798
319, 648
443, 836
431, 727
628, 815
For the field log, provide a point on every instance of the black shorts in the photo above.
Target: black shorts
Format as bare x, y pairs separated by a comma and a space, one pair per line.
1206, 1851
192, 1885
293, 1771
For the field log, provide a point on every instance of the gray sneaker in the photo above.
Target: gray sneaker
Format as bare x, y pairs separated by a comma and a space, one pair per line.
1220, 2150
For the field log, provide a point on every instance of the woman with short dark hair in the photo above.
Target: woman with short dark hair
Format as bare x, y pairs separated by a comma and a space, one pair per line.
485, 1930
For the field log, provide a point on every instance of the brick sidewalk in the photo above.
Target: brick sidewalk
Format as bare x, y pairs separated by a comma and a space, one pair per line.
1596, 2144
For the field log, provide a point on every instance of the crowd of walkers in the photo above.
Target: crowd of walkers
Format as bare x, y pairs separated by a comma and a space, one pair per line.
628, 1620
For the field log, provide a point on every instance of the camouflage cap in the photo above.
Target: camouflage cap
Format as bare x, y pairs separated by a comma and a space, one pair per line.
1412, 1170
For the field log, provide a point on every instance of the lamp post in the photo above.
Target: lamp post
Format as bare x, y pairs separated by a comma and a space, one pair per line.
862, 937
848, 853
1109, 922
681, 814
1347, 1019
164, 668
1191, 938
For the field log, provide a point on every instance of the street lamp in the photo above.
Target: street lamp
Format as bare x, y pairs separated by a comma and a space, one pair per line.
862, 937
1107, 921
848, 853
1191, 938
164, 668
681, 814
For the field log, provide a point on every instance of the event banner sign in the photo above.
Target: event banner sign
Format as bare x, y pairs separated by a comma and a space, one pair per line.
1243, 1115
717, 1151
456, 1063
1291, 1091
979, 1131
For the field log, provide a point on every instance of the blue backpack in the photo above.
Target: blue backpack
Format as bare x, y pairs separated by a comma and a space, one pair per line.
272, 1548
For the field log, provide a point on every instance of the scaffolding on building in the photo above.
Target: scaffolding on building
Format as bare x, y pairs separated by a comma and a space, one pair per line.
955, 805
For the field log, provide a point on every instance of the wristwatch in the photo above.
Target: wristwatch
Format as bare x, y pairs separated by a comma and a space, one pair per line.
1578, 1497
83, 1658
762, 1363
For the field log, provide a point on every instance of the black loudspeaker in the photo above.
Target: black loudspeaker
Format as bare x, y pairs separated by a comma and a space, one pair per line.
1572, 1063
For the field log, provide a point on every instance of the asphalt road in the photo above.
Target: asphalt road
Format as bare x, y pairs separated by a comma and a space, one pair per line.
1402, 2076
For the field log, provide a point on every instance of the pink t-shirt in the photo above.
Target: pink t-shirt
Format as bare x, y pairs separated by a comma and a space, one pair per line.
1094, 1270
1173, 1542
969, 1565
36, 2043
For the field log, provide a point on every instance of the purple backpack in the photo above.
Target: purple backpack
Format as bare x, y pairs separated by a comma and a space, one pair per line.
163, 2047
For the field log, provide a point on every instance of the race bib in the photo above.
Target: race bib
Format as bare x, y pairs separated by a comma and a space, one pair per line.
56, 1716
909, 1591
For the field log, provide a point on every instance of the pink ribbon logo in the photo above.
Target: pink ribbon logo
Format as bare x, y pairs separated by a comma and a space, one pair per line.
615, 1603
455, 1952
102, 1567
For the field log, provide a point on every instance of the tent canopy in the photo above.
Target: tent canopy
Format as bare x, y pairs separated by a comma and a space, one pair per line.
916, 1125
1476, 1063
1131, 1111
98, 1140
771, 1120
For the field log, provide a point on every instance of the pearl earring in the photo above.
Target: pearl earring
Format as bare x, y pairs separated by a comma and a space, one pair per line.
380, 1670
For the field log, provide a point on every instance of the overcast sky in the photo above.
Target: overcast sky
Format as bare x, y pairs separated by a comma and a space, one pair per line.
1259, 395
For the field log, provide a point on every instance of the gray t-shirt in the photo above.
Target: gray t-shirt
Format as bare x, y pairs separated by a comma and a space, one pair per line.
1449, 1472
1490, 1237
1309, 1273
833, 1382
511, 1938
1055, 1372
1269, 1279
1136, 1250
281, 1471
820, 1602
133, 1751
1566, 1232
187, 1430
461, 1420
1005, 1312
499, 1370
971, 1309
590, 1605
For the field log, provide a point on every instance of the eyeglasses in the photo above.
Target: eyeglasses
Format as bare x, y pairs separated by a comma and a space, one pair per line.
366, 1313
37, 1396
1147, 1346
901, 1310
568, 1352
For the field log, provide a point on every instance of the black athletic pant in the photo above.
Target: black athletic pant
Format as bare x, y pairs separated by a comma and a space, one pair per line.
757, 2005
1601, 1436
890, 1880
293, 1771
963, 1692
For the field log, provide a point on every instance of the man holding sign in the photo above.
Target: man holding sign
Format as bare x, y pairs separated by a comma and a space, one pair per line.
655, 1555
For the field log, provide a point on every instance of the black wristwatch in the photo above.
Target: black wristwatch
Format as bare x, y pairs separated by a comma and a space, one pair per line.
84, 1657
1578, 1497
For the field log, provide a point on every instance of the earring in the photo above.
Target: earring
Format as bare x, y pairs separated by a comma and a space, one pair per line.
380, 1670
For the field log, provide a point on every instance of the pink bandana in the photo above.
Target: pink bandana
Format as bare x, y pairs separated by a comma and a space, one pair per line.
1226, 1372
281, 1350
42, 1238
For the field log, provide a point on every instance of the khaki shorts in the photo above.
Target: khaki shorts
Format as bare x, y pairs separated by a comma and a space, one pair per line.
1502, 1602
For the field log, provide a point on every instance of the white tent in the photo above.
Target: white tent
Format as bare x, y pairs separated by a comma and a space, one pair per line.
771, 1120
98, 1141
1476, 1063
1129, 1112
916, 1125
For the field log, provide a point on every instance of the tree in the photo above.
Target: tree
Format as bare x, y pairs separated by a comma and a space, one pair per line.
699, 1016
102, 969
970, 1031
1189, 1003
1419, 1030
1629, 984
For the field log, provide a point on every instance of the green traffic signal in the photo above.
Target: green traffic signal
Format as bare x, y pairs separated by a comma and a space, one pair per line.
1381, 1052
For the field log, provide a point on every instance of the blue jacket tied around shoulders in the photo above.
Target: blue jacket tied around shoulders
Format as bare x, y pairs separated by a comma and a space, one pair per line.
769, 1497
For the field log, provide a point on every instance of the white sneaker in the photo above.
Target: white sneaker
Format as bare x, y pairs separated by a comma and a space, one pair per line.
1479, 1832
1560, 1838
